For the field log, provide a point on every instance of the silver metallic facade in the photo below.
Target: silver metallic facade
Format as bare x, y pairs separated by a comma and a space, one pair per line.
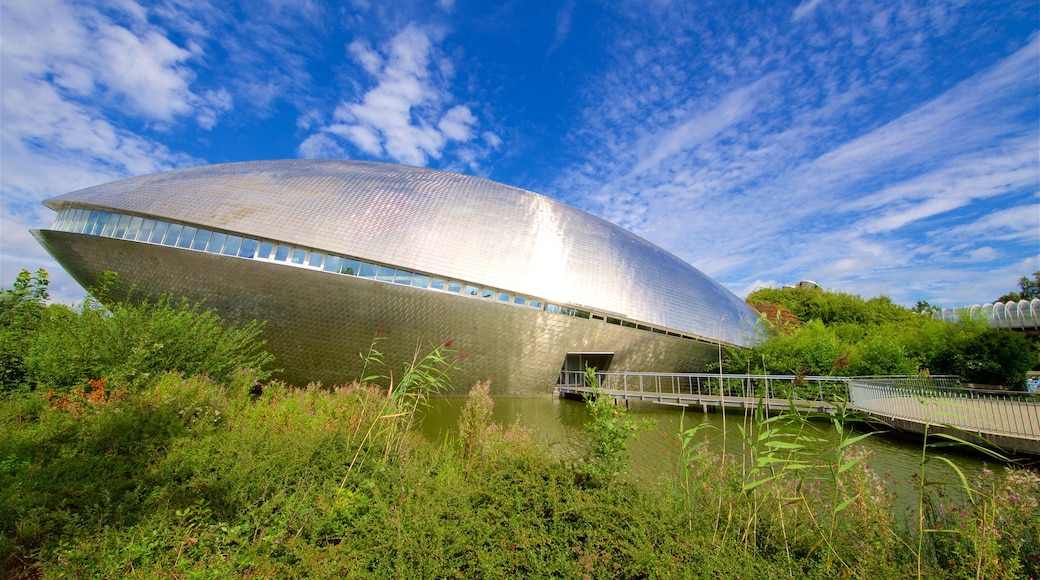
515, 279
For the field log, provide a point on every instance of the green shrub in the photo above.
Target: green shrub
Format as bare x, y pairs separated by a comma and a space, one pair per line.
128, 343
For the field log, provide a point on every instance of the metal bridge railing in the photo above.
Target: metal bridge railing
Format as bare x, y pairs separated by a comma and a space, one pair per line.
811, 388
1013, 414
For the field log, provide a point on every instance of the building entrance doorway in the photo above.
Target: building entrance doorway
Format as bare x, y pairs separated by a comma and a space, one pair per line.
573, 371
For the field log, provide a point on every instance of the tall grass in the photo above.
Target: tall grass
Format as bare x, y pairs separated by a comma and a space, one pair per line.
215, 471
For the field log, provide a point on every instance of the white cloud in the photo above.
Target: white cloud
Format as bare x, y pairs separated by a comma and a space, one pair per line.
804, 9
782, 157
406, 115
320, 146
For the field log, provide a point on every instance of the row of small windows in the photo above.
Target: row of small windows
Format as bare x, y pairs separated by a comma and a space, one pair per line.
136, 228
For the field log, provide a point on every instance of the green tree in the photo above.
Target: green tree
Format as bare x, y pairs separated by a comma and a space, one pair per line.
1029, 289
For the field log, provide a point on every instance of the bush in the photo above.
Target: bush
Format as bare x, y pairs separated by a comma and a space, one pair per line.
997, 357
128, 343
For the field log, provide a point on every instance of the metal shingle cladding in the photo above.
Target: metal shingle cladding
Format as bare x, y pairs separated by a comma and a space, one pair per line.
440, 223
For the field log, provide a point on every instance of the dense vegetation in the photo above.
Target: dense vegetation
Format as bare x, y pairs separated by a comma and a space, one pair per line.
816, 332
124, 470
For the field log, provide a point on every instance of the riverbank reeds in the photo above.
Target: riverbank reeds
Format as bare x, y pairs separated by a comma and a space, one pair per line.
193, 477
225, 473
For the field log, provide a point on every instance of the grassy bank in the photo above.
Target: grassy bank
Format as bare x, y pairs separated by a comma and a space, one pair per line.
190, 477
128, 449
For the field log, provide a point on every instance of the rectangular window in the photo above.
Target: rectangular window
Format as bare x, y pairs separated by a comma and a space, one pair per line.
471, 290
187, 237
281, 254
420, 281
487, 293
89, 226
120, 231
64, 218
316, 259
158, 232
367, 271
216, 242
172, 233
201, 240
298, 256
265, 250
332, 264
68, 220
438, 283
403, 277
519, 300
385, 274
231, 245
248, 248
552, 308
99, 224
133, 228
350, 267
454, 287
503, 297
145, 233
535, 304
628, 324
110, 224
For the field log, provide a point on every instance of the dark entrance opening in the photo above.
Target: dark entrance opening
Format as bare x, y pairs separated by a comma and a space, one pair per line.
573, 371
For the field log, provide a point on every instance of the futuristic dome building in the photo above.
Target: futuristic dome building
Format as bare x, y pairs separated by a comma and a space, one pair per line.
328, 251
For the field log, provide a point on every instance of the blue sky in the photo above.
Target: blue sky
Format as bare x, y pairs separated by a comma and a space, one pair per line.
874, 147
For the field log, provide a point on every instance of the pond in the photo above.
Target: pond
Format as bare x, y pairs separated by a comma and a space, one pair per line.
557, 424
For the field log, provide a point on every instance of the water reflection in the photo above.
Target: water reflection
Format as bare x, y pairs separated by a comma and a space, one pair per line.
558, 424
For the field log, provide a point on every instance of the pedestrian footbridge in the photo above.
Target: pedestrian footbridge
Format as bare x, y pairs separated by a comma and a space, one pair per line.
1023, 315
1007, 421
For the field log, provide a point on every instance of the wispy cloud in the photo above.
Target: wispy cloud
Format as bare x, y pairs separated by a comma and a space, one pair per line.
767, 166
409, 115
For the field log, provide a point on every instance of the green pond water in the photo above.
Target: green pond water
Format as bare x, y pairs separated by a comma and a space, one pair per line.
557, 423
